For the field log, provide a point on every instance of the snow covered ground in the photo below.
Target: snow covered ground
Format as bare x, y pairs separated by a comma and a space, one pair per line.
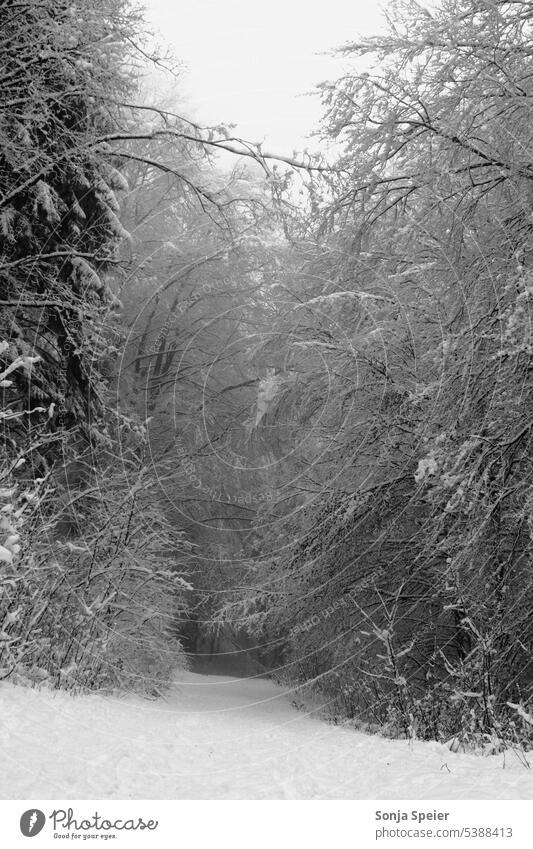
215, 737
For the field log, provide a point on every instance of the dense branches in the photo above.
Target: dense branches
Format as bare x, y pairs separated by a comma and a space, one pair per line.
404, 576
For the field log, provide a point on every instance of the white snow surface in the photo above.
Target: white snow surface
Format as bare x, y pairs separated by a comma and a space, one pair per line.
215, 737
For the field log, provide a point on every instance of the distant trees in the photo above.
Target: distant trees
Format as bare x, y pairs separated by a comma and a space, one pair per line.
197, 308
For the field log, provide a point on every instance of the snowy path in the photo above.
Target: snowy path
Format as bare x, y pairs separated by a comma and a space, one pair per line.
222, 738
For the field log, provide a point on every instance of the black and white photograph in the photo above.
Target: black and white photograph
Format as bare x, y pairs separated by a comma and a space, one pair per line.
266, 376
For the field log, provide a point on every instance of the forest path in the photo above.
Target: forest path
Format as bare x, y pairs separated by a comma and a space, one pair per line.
215, 737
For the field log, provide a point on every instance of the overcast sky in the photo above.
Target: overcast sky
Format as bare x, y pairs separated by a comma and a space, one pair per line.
251, 63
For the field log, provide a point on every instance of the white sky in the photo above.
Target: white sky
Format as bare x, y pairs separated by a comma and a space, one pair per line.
250, 63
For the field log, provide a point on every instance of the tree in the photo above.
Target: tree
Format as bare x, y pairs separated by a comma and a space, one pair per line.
71, 582
404, 580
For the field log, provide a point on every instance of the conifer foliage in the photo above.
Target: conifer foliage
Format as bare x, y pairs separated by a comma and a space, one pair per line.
63, 66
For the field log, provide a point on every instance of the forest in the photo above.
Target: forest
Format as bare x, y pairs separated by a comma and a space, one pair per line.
278, 406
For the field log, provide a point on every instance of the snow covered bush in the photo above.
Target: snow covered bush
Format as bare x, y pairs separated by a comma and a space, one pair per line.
89, 599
